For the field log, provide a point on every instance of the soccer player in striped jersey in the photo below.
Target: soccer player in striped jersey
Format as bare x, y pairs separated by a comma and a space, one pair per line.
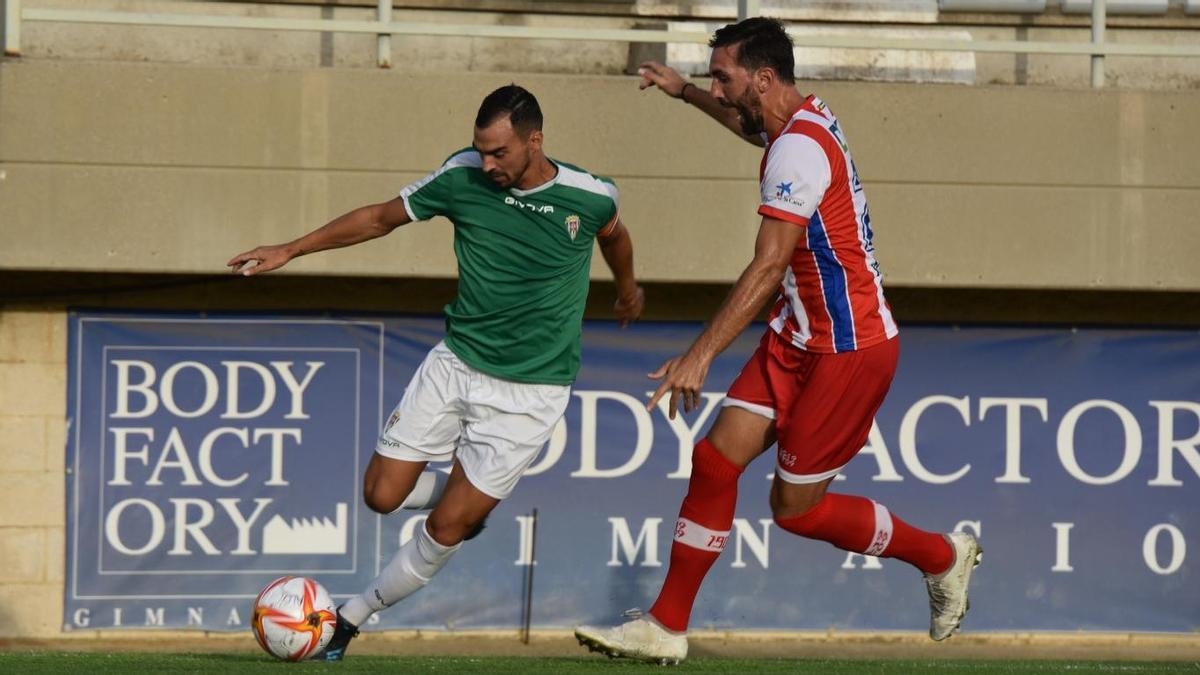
822, 369
489, 395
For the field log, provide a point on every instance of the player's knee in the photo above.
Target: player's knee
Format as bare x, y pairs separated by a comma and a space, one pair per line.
453, 531
792, 502
380, 500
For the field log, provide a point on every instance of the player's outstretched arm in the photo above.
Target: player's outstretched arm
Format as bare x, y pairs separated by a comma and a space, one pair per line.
684, 376
667, 79
361, 224
617, 248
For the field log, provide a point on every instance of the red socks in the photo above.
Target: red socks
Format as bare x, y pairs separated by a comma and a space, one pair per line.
705, 520
860, 525
706, 517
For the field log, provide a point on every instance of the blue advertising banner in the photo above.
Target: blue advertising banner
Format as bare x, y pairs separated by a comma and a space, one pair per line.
210, 454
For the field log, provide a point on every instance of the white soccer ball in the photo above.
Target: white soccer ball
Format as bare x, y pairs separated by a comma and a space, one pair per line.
294, 618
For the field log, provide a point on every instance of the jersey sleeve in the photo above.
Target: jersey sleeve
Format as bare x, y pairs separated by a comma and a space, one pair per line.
433, 195
608, 215
795, 179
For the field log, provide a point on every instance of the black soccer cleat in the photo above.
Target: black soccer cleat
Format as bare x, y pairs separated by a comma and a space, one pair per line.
342, 634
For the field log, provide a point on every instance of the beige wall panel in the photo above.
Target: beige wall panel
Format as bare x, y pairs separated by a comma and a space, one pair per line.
23, 550
193, 220
31, 610
32, 500
175, 169
387, 120
1023, 237
23, 442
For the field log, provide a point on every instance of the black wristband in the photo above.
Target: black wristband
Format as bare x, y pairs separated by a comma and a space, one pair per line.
683, 91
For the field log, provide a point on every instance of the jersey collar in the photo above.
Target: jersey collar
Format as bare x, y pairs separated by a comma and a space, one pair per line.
523, 193
810, 104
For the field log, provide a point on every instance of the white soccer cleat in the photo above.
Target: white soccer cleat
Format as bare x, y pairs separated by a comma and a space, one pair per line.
642, 639
948, 602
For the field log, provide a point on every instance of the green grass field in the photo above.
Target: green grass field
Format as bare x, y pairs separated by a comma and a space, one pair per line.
125, 662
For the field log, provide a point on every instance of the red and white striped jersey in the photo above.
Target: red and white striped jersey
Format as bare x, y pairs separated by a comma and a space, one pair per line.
831, 299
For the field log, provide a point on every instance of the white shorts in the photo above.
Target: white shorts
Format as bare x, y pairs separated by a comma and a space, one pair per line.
495, 427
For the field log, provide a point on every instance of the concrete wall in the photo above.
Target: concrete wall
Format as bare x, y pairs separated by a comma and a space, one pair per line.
913, 19
166, 168
32, 451
989, 203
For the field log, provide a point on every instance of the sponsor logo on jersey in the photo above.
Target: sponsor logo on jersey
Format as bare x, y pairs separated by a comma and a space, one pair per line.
572, 222
783, 193
536, 208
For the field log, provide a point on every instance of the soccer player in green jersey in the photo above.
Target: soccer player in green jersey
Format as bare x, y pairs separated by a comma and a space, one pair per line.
489, 395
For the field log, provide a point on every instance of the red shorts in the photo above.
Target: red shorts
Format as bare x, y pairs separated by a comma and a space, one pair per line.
823, 404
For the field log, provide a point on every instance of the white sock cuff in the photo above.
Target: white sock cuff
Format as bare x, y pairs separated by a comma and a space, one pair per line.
883, 531
427, 491
429, 548
691, 533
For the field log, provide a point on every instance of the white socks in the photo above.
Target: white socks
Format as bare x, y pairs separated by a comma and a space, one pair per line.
410, 569
427, 492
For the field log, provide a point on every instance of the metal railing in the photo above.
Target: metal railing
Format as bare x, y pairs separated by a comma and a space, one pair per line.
384, 27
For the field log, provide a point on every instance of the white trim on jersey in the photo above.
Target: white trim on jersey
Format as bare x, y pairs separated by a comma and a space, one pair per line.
469, 158
859, 199
585, 181
793, 307
796, 176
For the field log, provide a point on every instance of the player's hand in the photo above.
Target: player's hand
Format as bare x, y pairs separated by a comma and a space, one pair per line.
629, 309
655, 74
684, 377
261, 259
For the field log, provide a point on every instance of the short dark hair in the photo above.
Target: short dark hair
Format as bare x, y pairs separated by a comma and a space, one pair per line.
764, 42
514, 101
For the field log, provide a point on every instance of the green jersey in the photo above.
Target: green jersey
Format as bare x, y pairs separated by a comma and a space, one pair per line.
524, 258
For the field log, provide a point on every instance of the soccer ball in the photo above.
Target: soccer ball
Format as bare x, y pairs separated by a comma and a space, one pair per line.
294, 618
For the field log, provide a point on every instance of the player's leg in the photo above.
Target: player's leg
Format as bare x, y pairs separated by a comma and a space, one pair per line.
389, 481
425, 427
427, 491
744, 429
828, 423
706, 515
458, 514
502, 427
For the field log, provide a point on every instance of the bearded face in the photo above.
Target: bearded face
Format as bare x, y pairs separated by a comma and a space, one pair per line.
733, 87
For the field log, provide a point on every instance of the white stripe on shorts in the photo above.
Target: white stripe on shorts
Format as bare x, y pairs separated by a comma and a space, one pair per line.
746, 405
883, 530
698, 536
806, 478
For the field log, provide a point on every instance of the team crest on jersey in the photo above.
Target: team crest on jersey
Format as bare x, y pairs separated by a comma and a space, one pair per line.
392, 420
572, 226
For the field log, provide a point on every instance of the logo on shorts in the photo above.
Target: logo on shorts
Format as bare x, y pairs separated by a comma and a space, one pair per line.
392, 420
787, 459
572, 222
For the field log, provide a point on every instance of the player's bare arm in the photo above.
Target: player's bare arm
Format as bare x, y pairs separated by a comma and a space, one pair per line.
617, 248
667, 79
683, 376
361, 224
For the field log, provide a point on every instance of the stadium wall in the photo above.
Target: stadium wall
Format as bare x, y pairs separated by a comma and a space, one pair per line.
116, 167
113, 175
